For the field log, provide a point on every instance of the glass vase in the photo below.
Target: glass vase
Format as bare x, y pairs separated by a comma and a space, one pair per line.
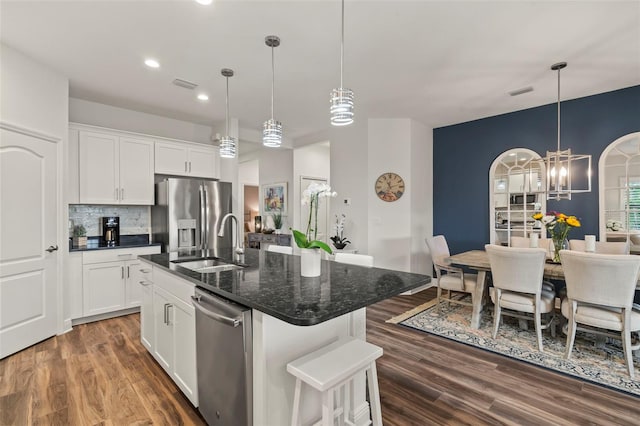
558, 244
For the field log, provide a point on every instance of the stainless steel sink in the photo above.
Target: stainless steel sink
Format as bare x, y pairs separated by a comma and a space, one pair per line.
206, 266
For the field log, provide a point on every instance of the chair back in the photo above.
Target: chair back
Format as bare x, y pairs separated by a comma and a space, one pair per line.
600, 279
355, 259
439, 249
602, 247
280, 249
517, 269
524, 242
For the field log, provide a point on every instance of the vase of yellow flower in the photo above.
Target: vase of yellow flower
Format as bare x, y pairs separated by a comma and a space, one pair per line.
558, 225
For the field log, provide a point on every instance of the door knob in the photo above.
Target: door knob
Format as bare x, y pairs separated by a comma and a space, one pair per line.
52, 248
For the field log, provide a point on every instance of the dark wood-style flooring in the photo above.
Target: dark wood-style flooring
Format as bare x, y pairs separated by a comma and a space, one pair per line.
100, 374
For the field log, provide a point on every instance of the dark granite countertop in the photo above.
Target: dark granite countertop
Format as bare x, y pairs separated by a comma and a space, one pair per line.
126, 241
271, 283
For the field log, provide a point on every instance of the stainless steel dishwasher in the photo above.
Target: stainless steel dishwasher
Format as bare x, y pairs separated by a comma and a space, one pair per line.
224, 353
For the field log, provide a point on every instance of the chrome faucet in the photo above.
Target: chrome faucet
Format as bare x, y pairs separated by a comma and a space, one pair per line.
238, 247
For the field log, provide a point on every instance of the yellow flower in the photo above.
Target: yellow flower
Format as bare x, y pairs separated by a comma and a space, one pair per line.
573, 221
537, 216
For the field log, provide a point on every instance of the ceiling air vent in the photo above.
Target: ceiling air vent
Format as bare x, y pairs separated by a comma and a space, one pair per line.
184, 83
521, 91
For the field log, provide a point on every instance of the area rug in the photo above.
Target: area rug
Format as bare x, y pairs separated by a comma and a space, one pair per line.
602, 364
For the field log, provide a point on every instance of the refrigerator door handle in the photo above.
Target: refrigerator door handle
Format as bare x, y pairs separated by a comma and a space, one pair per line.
202, 219
206, 215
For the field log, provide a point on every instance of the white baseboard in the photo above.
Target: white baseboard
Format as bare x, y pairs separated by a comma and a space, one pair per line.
106, 315
418, 289
66, 326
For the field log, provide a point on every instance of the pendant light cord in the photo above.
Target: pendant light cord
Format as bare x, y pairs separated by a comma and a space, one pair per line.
273, 80
342, 47
558, 109
227, 106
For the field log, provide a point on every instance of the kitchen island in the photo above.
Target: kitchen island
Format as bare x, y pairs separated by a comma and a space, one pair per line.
292, 316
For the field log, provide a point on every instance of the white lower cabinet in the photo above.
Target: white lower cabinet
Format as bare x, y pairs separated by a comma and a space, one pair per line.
111, 279
168, 329
146, 306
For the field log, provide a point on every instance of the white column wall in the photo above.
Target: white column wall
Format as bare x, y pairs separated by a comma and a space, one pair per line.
311, 161
349, 179
389, 222
276, 165
421, 195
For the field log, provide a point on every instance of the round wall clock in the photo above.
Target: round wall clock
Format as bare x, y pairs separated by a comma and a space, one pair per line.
389, 187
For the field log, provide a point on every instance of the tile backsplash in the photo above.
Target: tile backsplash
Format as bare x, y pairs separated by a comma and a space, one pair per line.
133, 219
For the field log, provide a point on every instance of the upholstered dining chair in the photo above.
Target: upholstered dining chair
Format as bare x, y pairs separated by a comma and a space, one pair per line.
449, 278
602, 247
600, 290
280, 249
355, 259
517, 287
525, 242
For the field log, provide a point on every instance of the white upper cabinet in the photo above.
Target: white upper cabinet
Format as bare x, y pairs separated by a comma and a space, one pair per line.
115, 169
136, 171
186, 159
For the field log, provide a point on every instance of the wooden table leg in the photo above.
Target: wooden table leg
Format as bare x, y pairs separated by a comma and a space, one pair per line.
477, 299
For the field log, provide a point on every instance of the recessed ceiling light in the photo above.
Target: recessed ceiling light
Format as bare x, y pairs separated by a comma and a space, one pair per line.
203, 97
204, 2
152, 63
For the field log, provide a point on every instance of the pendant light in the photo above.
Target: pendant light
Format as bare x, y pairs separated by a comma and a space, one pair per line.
567, 173
341, 99
272, 129
227, 143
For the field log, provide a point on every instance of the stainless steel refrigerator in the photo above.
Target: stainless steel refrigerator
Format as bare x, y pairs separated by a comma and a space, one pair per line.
188, 212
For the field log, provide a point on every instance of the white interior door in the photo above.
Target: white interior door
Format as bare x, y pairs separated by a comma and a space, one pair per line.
28, 219
323, 209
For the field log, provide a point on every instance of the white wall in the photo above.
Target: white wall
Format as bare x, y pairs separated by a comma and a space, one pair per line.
349, 179
276, 166
87, 112
309, 161
36, 97
421, 196
389, 222
33, 95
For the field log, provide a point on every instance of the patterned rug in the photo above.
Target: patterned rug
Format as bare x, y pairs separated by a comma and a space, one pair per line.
602, 364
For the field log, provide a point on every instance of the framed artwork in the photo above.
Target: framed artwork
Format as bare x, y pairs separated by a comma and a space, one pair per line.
274, 198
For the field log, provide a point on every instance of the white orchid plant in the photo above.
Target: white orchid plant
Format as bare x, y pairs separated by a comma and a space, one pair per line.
311, 197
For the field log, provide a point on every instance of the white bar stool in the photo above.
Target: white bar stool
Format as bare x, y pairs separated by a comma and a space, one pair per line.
330, 368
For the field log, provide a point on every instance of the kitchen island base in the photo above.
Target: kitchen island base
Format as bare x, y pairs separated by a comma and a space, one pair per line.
275, 344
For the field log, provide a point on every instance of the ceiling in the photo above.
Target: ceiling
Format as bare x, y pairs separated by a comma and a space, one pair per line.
438, 62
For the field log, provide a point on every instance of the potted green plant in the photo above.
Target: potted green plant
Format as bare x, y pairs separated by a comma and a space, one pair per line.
339, 240
277, 221
79, 236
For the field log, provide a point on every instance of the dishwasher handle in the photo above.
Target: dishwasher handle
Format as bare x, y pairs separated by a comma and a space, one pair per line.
234, 322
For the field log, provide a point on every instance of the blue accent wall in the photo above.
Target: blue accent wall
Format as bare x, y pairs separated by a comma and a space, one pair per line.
463, 154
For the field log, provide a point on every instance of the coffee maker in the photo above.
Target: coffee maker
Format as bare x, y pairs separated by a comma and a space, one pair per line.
111, 231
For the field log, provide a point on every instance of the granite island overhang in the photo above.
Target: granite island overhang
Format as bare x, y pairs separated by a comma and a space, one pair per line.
271, 283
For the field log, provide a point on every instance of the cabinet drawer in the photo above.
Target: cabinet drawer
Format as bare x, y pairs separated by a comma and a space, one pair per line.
180, 288
270, 238
115, 255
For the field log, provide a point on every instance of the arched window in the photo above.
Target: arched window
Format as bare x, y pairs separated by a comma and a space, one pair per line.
619, 191
516, 192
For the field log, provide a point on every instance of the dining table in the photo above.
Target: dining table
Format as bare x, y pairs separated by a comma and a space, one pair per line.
478, 260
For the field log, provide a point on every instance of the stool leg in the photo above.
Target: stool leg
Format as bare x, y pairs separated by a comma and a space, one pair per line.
295, 416
374, 395
327, 407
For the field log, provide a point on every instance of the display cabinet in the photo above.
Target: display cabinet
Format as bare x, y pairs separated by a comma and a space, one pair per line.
516, 181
